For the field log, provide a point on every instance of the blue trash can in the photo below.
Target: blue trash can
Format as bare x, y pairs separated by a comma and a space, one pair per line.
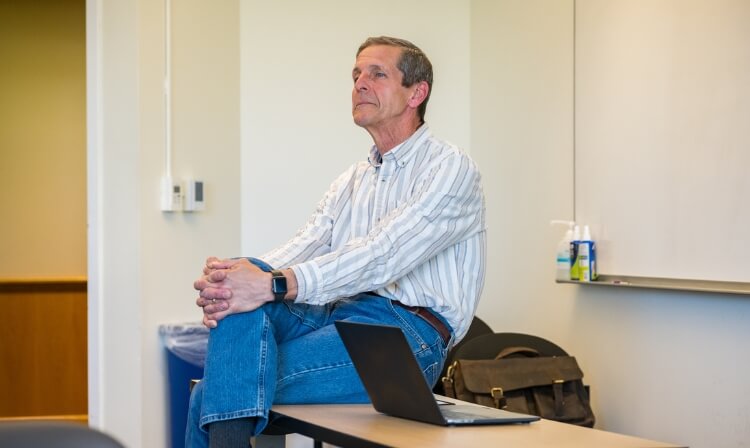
186, 354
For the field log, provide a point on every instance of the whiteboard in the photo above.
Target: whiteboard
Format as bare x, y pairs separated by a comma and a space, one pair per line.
662, 136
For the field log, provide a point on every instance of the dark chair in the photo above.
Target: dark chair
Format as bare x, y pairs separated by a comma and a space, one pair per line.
489, 345
477, 328
53, 435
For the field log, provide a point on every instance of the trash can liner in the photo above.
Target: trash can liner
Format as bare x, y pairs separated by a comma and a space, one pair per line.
187, 341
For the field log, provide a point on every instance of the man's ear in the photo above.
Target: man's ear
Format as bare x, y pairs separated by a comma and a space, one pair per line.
419, 95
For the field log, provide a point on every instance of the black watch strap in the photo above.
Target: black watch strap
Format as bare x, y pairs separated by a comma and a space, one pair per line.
278, 285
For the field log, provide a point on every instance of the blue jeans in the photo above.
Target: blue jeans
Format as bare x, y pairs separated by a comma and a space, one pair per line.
289, 353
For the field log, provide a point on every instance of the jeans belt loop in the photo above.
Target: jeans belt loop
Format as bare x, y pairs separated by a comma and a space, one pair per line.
429, 317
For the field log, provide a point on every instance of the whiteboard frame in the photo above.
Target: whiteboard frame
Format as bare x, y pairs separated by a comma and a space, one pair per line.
662, 243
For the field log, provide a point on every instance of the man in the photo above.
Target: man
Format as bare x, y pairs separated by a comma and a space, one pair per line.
398, 239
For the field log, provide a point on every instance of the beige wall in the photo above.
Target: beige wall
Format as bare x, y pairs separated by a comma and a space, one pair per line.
142, 262
522, 116
297, 129
42, 139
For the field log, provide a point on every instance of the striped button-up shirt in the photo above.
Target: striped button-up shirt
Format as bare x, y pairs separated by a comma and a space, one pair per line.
409, 225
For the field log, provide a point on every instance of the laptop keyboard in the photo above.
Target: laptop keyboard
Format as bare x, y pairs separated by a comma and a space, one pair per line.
458, 416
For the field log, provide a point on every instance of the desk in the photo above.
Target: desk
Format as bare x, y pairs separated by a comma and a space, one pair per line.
361, 426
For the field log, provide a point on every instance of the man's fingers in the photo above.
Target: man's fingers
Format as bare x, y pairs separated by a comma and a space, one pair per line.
217, 276
200, 284
211, 319
219, 316
213, 311
221, 264
211, 307
209, 323
211, 260
203, 283
212, 298
207, 280
214, 263
215, 293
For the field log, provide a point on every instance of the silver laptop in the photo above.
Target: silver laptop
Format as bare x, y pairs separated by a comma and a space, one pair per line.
396, 385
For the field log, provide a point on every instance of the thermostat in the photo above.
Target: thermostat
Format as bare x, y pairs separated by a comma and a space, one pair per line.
194, 196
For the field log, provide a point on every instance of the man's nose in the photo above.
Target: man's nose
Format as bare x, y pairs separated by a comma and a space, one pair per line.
360, 84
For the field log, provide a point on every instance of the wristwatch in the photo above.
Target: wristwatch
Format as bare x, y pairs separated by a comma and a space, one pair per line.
278, 285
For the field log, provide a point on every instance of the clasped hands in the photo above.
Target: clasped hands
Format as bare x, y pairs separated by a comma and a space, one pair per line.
230, 286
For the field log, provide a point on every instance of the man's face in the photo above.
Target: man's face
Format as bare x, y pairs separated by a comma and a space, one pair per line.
378, 98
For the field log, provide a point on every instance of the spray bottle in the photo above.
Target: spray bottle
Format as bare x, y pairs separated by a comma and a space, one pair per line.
586, 257
563, 251
574, 261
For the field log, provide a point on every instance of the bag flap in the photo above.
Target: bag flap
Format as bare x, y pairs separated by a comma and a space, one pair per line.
481, 375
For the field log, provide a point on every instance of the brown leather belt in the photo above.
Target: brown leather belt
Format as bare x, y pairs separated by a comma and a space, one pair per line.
430, 318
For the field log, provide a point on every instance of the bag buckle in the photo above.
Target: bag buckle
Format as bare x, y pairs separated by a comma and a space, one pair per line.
498, 397
448, 378
449, 372
447, 381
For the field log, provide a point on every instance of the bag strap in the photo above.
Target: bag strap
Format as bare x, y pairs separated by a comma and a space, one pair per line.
526, 351
557, 391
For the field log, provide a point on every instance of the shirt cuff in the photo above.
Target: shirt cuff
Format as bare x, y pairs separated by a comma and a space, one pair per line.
308, 275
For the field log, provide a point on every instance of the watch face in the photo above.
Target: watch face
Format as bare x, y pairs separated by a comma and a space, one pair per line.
278, 285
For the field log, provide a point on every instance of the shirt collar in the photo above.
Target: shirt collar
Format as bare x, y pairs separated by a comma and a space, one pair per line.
402, 152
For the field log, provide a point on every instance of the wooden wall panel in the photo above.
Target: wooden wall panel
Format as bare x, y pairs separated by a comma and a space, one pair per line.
43, 347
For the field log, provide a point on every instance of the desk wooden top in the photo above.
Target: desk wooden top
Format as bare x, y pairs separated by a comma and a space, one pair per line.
364, 423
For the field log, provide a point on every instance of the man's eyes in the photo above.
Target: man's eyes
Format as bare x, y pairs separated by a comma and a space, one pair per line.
372, 75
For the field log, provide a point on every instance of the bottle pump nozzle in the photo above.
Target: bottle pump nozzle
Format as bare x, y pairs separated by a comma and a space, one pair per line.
586, 233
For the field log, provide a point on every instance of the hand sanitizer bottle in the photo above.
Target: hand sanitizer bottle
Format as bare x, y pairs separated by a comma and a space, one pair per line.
563, 252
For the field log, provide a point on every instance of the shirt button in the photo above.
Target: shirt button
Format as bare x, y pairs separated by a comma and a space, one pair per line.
424, 346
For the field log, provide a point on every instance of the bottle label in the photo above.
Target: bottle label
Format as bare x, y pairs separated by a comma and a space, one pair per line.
585, 268
563, 267
574, 260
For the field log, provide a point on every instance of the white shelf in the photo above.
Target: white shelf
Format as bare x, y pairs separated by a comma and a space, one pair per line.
623, 281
